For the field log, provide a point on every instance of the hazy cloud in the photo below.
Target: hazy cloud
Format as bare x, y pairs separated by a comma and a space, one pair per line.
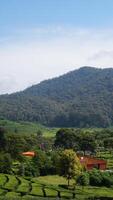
7, 84
102, 55
34, 55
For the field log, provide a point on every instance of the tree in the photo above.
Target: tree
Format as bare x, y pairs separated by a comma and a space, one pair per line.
108, 143
16, 144
87, 142
67, 138
41, 161
5, 163
2, 138
39, 133
69, 165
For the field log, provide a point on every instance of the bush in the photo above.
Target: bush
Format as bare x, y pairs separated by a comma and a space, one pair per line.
107, 179
95, 178
83, 179
27, 168
98, 178
5, 163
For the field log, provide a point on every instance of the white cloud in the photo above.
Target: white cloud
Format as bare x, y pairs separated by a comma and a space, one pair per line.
7, 84
51, 52
103, 56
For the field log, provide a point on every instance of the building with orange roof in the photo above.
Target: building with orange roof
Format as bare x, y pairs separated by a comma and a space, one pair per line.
89, 163
29, 153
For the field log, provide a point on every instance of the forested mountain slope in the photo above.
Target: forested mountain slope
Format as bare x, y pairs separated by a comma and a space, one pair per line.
80, 98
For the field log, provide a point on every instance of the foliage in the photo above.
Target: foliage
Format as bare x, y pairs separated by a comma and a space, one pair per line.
95, 178
44, 162
69, 164
76, 139
107, 179
87, 142
67, 138
40, 161
108, 143
2, 138
24, 128
15, 144
98, 178
5, 163
83, 179
81, 98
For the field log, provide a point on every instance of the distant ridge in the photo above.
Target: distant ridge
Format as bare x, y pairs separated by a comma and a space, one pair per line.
80, 98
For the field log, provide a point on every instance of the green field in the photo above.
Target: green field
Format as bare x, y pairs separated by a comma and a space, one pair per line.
13, 187
27, 128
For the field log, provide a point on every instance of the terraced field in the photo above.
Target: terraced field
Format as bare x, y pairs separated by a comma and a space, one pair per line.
19, 188
107, 156
13, 187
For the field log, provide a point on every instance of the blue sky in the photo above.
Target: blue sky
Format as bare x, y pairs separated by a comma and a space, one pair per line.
32, 13
40, 39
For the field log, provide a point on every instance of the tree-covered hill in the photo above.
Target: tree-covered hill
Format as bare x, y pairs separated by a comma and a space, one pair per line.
80, 98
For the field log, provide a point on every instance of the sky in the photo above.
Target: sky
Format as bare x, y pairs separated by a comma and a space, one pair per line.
41, 39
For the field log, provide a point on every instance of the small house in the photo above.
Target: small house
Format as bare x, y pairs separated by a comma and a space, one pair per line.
89, 163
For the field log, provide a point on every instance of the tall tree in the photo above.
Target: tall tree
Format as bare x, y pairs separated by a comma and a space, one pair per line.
87, 142
67, 138
69, 165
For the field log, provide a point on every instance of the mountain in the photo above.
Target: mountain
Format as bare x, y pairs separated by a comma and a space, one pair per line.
80, 98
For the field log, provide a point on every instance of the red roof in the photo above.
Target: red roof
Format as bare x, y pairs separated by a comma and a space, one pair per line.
87, 160
29, 153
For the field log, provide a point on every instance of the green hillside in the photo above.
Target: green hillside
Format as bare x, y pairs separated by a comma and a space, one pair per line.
81, 98
26, 128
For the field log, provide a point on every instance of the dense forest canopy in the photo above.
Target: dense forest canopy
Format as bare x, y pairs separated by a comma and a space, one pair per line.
80, 98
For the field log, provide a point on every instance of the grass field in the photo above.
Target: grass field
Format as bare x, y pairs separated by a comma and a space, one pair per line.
46, 188
27, 128
55, 180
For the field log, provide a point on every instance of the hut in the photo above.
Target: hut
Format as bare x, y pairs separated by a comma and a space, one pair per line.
89, 163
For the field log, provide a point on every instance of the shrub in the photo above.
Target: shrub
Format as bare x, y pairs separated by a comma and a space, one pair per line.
5, 163
98, 178
107, 179
95, 178
83, 179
